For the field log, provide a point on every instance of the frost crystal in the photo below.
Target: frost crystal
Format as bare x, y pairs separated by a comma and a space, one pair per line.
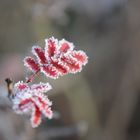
31, 100
56, 59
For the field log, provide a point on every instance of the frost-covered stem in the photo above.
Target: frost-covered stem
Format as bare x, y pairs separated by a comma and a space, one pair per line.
31, 77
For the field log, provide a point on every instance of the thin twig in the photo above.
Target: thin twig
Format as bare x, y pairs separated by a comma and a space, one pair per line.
9, 87
31, 77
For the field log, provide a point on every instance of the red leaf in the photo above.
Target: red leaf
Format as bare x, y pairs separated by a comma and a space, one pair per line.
80, 56
60, 67
39, 53
30, 63
65, 46
32, 100
36, 116
48, 112
49, 71
44, 107
50, 48
72, 64
21, 86
24, 104
59, 58
41, 87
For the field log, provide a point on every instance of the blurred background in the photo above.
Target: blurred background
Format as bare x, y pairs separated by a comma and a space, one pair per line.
100, 103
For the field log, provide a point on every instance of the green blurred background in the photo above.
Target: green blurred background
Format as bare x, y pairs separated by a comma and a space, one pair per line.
100, 103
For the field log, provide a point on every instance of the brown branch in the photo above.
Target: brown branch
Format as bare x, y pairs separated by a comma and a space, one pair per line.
9, 87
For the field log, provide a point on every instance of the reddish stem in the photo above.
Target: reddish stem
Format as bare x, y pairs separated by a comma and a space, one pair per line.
31, 77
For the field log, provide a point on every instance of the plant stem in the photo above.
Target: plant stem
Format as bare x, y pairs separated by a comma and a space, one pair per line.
31, 77
9, 87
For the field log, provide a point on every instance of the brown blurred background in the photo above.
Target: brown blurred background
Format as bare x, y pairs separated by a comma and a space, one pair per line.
100, 103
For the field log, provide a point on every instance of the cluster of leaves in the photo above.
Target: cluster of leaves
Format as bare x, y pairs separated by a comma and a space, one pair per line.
57, 58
